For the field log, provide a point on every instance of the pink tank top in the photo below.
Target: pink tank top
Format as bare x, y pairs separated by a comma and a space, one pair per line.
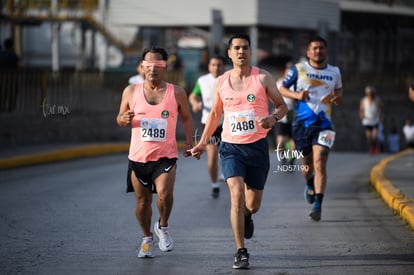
241, 109
153, 134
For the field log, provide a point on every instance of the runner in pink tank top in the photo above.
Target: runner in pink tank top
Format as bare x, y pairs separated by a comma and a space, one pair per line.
152, 109
242, 108
153, 126
242, 95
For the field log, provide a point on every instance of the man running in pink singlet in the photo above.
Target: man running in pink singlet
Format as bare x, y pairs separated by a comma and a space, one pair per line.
242, 94
152, 109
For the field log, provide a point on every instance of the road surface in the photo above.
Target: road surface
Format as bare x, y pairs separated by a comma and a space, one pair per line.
74, 217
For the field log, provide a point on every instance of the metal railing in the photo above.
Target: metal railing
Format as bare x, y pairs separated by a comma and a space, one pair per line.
29, 91
22, 5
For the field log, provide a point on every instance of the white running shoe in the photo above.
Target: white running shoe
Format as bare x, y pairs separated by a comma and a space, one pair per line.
165, 242
146, 248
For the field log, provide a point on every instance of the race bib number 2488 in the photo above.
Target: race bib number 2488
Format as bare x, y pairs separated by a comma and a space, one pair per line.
242, 122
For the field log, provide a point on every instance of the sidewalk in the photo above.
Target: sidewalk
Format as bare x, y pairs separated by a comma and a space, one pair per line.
393, 177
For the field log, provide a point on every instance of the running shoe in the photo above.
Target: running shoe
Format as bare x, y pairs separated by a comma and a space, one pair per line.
215, 192
146, 248
309, 194
315, 214
165, 242
248, 226
241, 259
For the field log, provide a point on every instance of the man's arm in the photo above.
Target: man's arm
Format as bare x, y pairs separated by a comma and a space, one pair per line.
212, 122
273, 93
411, 91
361, 109
338, 90
186, 118
195, 98
214, 116
286, 92
125, 115
290, 80
337, 97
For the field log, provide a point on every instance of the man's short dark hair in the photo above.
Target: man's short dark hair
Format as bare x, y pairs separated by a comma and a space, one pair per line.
161, 51
219, 57
318, 38
238, 36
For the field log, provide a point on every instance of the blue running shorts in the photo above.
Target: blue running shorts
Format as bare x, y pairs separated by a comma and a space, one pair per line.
249, 161
305, 137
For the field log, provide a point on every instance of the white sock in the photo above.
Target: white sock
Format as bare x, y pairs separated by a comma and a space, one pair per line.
147, 239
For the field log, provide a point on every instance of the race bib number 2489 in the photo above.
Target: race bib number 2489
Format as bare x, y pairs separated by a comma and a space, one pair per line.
153, 129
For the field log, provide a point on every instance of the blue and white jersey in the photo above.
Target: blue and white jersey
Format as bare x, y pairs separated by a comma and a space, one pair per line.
320, 83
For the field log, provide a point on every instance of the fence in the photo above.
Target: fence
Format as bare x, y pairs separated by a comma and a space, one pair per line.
32, 92
41, 107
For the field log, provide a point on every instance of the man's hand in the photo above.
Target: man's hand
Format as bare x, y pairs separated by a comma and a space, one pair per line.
125, 118
197, 150
197, 107
303, 95
336, 99
187, 150
266, 121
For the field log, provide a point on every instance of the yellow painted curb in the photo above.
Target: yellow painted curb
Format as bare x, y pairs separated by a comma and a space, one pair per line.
63, 154
67, 154
392, 196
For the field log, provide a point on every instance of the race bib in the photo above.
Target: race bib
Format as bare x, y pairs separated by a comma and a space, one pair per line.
153, 129
326, 138
243, 122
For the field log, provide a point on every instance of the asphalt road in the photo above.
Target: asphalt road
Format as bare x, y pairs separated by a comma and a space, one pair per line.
74, 217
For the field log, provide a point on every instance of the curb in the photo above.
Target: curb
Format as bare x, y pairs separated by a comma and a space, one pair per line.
392, 196
62, 155
67, 154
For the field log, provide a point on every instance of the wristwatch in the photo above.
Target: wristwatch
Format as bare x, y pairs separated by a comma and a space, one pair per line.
276, 117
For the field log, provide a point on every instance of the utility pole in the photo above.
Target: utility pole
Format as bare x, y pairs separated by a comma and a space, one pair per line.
216, 33
55, 37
